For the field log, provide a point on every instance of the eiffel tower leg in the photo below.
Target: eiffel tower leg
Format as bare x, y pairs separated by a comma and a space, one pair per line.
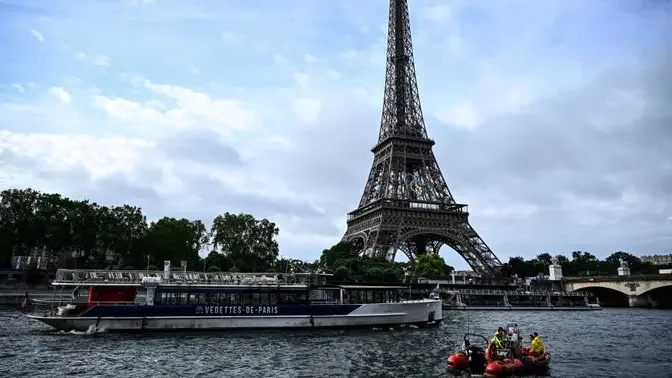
383, 246
480, 249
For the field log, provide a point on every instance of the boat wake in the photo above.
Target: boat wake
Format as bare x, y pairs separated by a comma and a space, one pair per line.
92, 330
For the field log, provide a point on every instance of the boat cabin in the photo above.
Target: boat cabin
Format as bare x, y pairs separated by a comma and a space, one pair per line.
222, 288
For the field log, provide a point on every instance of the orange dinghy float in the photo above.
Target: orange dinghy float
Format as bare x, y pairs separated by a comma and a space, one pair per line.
519, 366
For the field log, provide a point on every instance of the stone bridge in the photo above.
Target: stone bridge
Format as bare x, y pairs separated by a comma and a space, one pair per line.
641, 290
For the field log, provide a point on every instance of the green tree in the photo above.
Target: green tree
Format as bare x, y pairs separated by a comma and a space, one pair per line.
340, 254
285, 265
585, 264
176, 240
544, 259
219, 260
612, 262
248, 242
20, 227
342, 273
31, 275
429, 264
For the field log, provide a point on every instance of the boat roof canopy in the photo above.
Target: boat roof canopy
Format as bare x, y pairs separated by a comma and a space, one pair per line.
373, 287
83, 277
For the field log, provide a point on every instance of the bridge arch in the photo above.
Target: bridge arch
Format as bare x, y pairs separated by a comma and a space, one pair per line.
662, 286
660, 297
639, 291
608, 297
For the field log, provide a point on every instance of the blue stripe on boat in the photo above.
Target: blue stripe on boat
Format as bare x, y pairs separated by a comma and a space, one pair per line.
201, 310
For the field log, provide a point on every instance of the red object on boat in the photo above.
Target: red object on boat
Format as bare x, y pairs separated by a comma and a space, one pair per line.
509, 366
458, 360
500, 368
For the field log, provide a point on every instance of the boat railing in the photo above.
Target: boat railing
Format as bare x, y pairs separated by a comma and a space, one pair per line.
114, 303
70, 277
516, 293
325, 302
481, 292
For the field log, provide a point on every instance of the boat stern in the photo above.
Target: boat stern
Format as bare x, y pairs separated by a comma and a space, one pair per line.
434, 311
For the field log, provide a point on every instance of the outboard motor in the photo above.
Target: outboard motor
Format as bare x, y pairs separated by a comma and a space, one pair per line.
471, 358
476, 359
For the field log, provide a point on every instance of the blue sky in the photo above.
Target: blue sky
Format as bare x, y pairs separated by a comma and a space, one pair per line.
551, 118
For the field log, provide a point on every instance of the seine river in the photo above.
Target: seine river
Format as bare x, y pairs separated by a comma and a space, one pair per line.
608, 343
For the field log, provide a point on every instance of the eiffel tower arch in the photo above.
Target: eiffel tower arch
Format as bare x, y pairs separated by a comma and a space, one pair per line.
406, 204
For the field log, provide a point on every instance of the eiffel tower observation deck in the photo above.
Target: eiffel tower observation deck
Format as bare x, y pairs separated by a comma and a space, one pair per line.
407, 204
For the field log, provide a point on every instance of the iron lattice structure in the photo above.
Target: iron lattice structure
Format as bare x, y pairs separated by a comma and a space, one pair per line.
406, 203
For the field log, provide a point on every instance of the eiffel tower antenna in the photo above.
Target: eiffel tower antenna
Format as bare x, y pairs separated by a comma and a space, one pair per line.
406, 203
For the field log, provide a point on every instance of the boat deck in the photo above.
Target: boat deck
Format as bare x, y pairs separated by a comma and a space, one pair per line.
75, 277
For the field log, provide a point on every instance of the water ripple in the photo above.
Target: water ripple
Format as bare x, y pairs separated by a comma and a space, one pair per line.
609, 343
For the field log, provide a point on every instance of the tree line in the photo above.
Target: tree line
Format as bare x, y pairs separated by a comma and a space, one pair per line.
81, 234
86, 235
581, 263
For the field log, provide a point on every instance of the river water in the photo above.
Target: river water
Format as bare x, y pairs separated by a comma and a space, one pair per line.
608, 343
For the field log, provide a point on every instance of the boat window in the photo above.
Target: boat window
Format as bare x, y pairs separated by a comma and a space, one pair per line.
245, 299
370, 295
256, 298
263, 298
223, 298
292, 297
212, 298
200, 298
379, 296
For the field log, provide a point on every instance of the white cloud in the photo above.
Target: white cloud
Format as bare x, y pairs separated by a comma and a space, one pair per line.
307, 109
310, 59
140, 2
461, 115
439, 14
37, 35
101, 61
334, 74
227, 114
61, 94
279, 59
231, 36
142, 114
99, 157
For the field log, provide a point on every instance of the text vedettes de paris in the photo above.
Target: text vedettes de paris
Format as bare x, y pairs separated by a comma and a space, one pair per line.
237, 310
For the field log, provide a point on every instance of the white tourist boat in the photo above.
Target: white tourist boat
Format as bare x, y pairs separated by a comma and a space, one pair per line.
169, 300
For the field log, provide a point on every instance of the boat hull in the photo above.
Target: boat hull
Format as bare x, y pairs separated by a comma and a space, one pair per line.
420, 313
521, 308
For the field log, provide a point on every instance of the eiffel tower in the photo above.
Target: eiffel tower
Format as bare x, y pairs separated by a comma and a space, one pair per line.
406, 203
